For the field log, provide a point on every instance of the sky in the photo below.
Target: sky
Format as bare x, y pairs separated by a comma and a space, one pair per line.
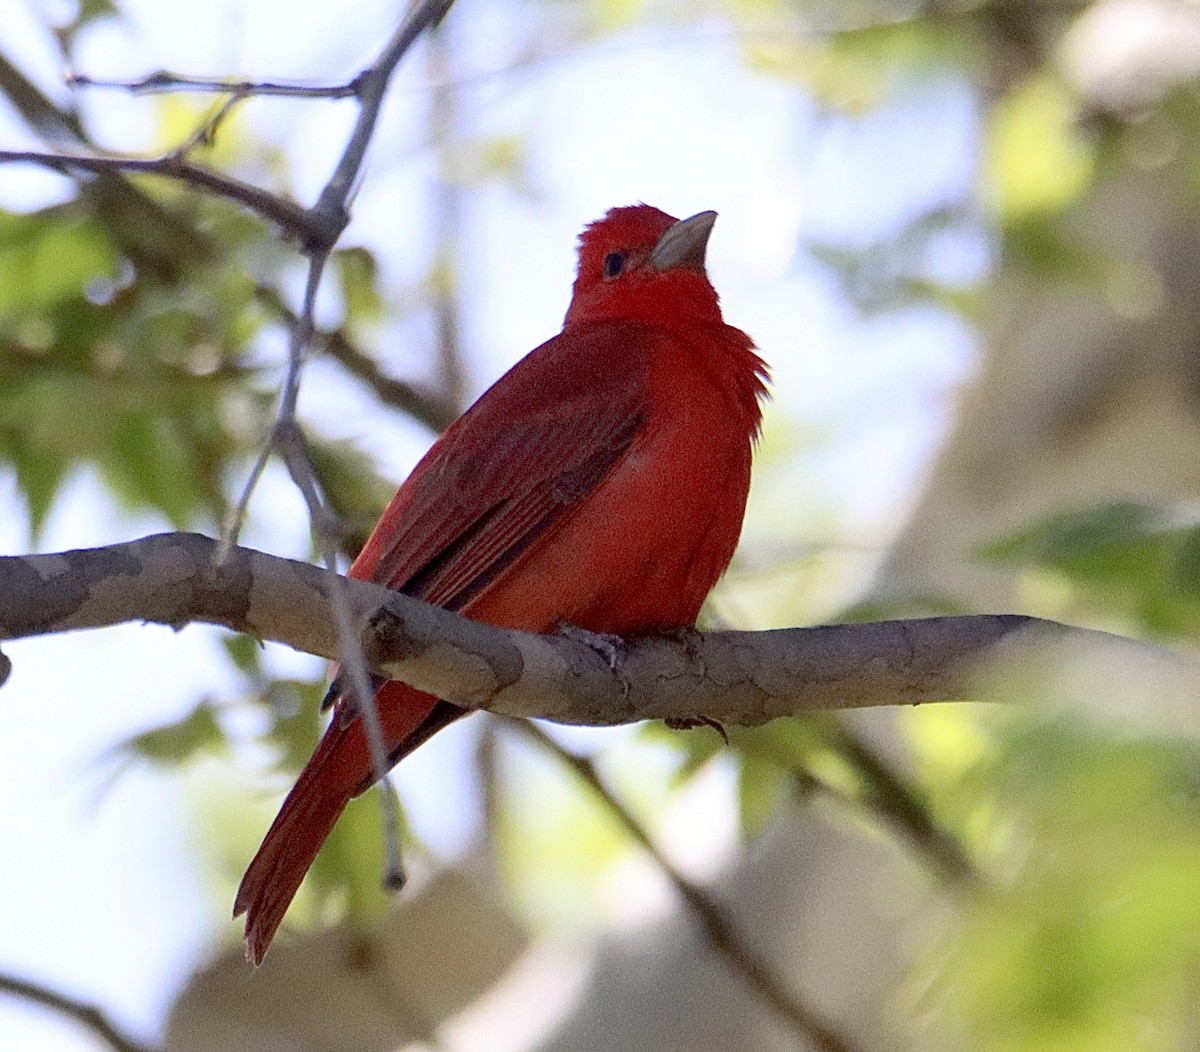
108, 856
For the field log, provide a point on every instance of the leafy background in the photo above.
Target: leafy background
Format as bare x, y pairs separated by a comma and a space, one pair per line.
964, 235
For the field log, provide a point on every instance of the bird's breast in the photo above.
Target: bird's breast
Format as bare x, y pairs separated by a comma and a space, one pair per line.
645, 547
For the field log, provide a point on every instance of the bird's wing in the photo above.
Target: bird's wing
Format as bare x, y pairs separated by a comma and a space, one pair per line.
534, 446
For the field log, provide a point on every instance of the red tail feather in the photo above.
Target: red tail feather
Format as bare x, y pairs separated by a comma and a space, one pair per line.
327, 784
291, 844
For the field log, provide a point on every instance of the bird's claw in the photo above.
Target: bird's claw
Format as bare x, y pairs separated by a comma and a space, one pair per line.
687, 723
608, 646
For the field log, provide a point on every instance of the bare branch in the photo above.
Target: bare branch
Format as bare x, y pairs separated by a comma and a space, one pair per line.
286, 214
737, 678
433, 410
325, 222
80, 1011
288, 439
165, 81
318, 227
330, 214
713, 918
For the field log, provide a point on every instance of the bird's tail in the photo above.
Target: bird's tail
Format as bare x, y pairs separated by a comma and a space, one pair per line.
339, 770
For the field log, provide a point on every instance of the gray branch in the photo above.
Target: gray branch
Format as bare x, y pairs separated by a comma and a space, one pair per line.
740, 678
87, 1015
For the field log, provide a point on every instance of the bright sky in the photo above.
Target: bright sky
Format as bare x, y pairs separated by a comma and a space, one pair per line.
98, 861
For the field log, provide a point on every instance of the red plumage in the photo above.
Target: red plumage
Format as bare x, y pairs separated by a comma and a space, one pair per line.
601, 482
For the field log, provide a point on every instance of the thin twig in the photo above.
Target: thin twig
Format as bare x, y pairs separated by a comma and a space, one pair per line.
712, 917
165, 81
279, 210
87, 1015
326, 220
288, 439
433, 410
894, 802
206, 134
328, 217
447, 212
330, 211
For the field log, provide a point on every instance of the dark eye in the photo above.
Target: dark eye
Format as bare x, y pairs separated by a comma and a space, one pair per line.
614, 263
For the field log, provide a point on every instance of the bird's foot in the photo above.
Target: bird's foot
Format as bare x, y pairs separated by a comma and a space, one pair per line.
687, 723
608, 646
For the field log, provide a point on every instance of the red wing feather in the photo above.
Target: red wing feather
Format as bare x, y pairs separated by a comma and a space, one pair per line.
508, 470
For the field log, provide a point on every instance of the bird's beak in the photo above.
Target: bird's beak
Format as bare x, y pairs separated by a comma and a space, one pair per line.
684, 243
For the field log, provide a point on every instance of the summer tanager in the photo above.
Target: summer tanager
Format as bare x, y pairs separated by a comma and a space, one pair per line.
600, 483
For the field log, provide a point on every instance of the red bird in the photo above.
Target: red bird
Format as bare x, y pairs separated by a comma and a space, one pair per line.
600, 483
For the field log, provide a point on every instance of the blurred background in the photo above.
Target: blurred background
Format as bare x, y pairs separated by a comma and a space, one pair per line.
964, 235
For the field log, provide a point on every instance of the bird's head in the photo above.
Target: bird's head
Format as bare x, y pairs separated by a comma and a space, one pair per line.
640, 264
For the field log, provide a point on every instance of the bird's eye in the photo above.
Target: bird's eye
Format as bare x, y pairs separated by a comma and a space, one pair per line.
614, 263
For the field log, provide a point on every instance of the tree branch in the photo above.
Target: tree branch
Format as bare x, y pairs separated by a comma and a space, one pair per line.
287, 214
714, 920
432, 409
86, 1014
743, 678
166, 81
318, 227
330, 215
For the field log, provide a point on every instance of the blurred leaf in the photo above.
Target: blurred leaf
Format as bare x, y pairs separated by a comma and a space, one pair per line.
1082, 543
133, 371
358, 278
1043, 247
350, 866
1136, 560
761, 787
503, 159
183, 116
1036, 159
89, 10
50, 256
858, 68
1089, 937
296, 720
556, 857
1186, 570
175, 743
824, 753
355, 490
245, 652
613, 14
693, 747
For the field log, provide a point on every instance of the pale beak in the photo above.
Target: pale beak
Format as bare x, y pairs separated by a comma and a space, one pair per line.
684, 243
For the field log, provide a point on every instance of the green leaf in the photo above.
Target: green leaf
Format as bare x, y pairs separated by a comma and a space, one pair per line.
350, 865
1185, 573
296, 721
1082, 542
245, 652
858, 69
1085, 934
1139, 561
356, 492
358, 278
555, 857
693, 746
175, 743
761, 787
1036, 159
50, 256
